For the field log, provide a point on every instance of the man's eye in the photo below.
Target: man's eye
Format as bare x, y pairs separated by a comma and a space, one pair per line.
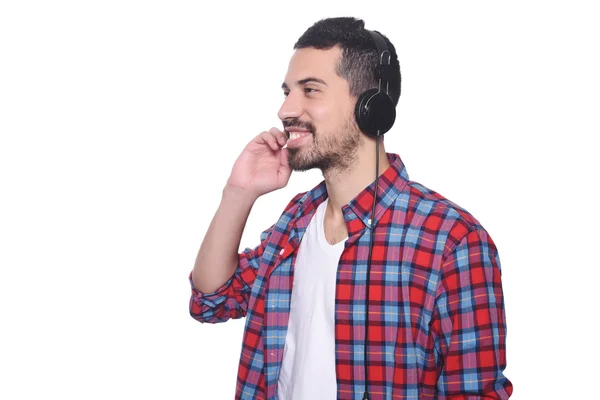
306, 90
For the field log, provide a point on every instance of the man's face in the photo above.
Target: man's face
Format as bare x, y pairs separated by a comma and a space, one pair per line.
319, 109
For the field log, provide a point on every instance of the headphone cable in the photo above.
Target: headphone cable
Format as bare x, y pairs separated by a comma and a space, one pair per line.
366, 395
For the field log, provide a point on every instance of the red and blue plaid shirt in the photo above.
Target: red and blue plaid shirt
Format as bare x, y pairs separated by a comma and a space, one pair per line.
436, 311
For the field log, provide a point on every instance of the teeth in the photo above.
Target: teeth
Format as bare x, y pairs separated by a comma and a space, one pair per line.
294, 135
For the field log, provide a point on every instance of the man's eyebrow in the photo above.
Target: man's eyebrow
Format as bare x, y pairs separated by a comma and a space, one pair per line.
305, 80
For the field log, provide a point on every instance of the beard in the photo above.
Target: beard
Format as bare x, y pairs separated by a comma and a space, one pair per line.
327, 152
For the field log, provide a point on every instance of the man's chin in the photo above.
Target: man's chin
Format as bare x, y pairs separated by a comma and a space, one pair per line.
300, 167
298, 163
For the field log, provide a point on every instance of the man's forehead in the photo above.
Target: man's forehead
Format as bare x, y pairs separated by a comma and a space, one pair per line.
313, 62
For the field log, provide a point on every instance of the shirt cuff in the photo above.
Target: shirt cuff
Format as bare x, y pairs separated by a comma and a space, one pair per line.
210, 299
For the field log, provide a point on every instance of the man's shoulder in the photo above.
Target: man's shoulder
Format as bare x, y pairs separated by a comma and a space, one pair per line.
436, 213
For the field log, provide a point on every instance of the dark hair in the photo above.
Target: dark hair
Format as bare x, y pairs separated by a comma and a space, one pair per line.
359, 54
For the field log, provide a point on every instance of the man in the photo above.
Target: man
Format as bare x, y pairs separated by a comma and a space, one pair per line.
436, 322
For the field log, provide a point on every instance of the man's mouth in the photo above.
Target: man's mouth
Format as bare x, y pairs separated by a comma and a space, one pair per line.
296, 137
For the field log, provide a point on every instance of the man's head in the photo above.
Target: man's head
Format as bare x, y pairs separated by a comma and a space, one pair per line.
334, 62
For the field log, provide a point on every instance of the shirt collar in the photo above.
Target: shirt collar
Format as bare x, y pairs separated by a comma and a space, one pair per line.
357, 213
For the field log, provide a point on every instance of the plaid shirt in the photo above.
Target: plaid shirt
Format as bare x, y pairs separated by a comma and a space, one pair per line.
436, 315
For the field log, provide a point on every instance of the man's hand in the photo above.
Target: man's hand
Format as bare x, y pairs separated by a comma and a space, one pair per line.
263, 164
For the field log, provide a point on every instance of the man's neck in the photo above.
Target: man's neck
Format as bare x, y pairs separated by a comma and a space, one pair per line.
343, 186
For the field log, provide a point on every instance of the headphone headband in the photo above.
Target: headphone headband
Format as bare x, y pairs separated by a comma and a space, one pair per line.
384, 68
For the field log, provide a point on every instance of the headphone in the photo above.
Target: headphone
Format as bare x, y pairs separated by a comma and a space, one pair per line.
375, 113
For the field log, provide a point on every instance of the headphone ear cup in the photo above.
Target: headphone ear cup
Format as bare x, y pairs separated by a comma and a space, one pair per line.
375, 111
362, 112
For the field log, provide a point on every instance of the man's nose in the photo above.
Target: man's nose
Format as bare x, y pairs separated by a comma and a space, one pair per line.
291, 107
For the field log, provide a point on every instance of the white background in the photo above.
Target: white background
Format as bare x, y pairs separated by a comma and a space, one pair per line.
120, 121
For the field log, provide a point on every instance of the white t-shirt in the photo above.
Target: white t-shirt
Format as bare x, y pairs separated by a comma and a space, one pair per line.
308, 366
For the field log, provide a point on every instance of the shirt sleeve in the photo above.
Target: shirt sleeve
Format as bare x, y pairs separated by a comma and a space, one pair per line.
468, 322
230, 301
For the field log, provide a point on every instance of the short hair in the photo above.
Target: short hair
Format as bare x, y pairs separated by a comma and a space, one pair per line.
359, 59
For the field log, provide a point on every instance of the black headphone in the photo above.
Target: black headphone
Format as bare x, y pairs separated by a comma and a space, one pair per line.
375, 111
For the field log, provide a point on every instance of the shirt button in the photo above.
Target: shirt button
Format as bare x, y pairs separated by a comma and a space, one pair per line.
281, 252
369, 221
273, 354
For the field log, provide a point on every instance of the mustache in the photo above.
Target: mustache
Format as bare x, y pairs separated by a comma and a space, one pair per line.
296, 123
